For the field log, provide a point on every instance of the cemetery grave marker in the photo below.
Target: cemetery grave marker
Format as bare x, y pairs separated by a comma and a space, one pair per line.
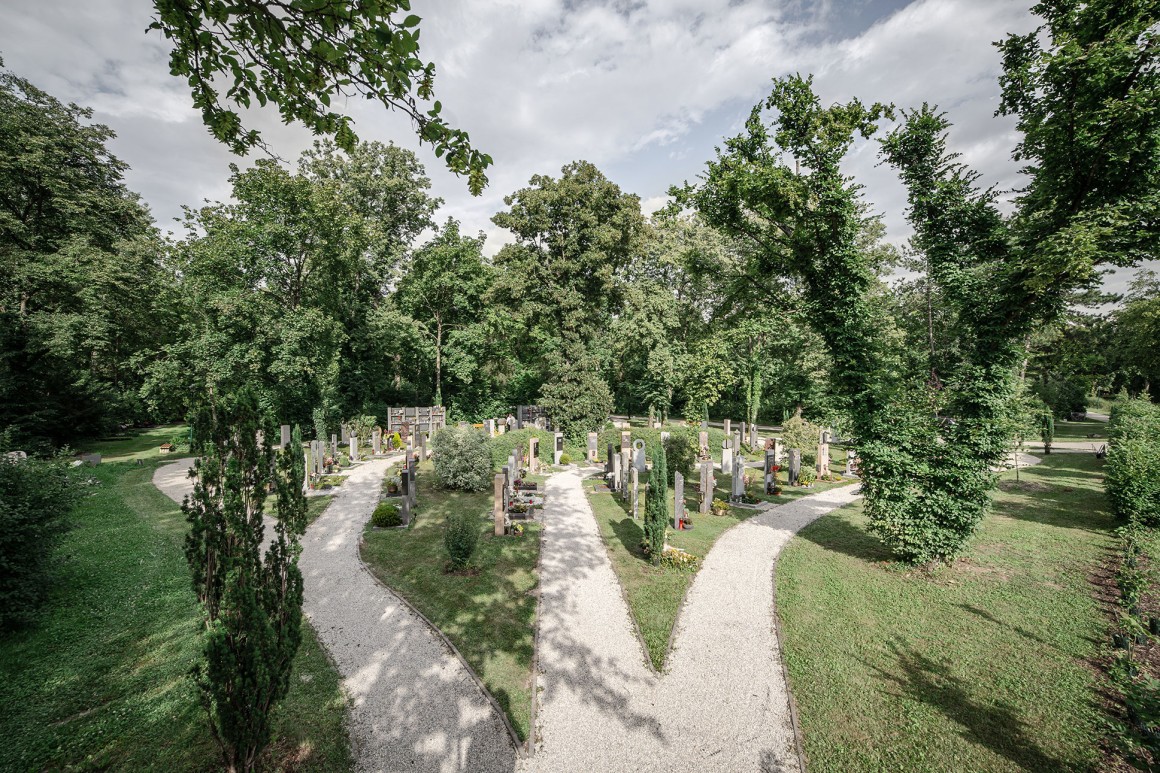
499, 504
625, 440
345, 432
353, 448
593, 442
635, 491
533, 454
707, 483
678, 501
726, 425
625, 471
377, 441
665, 437
851, 462
639, 462
285, 436
770, 474
738, 483
726, 456
703, 444
559, 448
795, 465
422, 446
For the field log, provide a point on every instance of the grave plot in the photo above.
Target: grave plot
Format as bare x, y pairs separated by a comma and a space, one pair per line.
487, 609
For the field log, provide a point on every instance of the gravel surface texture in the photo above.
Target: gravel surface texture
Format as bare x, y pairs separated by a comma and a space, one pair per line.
723, 703
414, 705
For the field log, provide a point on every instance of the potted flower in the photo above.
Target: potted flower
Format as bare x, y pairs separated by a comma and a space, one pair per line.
393, 484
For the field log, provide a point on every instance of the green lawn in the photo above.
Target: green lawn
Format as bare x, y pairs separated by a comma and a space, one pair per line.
979, 666
490, 613
1080, 430
655, 593
102, 682
137, 444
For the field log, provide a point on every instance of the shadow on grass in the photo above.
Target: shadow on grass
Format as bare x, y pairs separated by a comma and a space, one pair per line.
984, 614
836, 533
996, 726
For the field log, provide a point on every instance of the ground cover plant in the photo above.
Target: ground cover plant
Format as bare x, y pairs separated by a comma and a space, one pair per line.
102, 681
488, 611
982, 665
655, 593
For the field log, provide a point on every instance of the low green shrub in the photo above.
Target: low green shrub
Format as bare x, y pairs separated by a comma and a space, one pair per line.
501, 446
1132, 473
681, 454
386, 515
565, 459
460, 537
462, 459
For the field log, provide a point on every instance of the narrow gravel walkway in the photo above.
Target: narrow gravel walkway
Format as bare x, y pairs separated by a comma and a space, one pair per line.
722, 705
414, 706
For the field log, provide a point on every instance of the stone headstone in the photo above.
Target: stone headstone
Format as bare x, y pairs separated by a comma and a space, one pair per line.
22, 456
635, 492
533, 454
334, 448
795, 465
559, 448
736, 444
703, 442
593, 446
498, 510
754, 440
285, 436
738, 483
611, 455
489, 425
625, 440
678, 499
726, 426
377, 441
726, 456
345, 430
778, 450
638, 458
744, 429
405, 511
851, 462
422, 446
706, 486
353, 448
823, 465
665, 437
316, 456
770, 475
625, 471
616, 475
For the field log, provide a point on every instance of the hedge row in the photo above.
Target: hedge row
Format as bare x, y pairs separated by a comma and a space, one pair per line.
1132, 474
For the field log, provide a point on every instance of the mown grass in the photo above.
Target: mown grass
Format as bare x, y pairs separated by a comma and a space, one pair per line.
102, 681
137, 443
978, 666
490, 612
1081, 430
655, 593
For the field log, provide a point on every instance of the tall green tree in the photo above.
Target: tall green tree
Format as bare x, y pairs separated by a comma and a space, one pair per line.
251, 605
83, 294
443, 288
656, 505
302, 56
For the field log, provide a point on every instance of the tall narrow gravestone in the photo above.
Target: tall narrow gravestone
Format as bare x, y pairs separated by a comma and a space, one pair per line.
778, 450
334, 448
593, 445
615, 458
678, 500
744, 429
706, 486
638, 459
625, 440
754, 440
316, 454
770, 474
497, 505
851, 462
285, 435
377, 441
726, 456
703, 443
559, 451
635, 492
823, 460
533, 455
726, 426
795, 465
422, 446
345, 432
406, 488
736, 444
354, 448
611, 455
625, 472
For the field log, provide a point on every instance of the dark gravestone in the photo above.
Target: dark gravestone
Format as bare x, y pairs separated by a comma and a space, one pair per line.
795, 465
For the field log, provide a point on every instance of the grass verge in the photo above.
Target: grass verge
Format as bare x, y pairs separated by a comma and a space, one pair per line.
138, 443
489, 613
1081, 430
655, 593
978, 666
102, 682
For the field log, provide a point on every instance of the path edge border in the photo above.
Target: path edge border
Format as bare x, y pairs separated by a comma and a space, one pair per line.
795, 721
515, 739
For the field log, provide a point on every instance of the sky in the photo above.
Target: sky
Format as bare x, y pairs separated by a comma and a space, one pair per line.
644, 89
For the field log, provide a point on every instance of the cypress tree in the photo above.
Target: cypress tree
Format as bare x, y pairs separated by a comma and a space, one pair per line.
251, 608
656, 508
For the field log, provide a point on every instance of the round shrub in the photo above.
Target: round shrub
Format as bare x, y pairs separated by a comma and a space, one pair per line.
462, 459
386, 515
565, 459
681, 454
460, 537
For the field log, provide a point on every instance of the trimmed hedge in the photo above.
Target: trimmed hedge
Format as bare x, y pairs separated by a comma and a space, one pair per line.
1132, 474
501, 447
461, 459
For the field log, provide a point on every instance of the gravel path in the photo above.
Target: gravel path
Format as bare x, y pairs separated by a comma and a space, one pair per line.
414, 705
723, 704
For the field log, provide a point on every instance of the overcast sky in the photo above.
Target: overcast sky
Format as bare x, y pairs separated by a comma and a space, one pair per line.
642, 89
